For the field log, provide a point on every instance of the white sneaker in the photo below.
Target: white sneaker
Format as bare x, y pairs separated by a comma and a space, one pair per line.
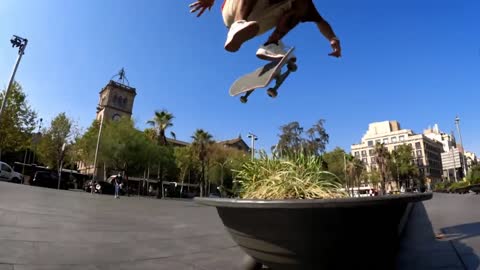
273, 52
240, 31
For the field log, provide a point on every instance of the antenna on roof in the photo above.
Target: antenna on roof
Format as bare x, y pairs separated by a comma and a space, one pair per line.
121, 77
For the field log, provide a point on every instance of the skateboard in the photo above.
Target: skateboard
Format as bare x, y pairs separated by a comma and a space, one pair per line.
263, 76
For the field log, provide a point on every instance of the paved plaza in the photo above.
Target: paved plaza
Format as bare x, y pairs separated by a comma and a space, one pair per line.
49, 229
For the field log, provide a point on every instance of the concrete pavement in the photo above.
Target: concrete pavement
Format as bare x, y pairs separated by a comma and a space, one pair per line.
455, 220
48, 229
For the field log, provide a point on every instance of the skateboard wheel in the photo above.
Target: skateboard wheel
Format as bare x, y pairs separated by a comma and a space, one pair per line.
250, 263
292, 66
272, 93
243, 99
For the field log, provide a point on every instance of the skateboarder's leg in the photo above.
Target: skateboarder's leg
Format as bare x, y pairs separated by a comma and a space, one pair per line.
301, 11
289, 20
235, 14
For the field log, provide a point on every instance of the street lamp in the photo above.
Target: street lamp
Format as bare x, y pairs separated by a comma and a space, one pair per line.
60, 169
21, 44
253, 138
98, 144
462, 158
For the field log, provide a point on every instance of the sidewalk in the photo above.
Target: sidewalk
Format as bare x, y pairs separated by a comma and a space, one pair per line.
456, 220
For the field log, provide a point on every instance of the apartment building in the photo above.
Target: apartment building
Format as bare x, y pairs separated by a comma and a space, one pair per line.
426, 152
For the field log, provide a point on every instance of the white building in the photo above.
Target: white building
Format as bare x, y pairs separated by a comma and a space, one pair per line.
448, 140
426, 152
471, 159
452, 165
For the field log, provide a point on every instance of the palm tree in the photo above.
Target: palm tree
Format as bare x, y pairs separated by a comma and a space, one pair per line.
161, 122
382, 157
354, 169
201, 141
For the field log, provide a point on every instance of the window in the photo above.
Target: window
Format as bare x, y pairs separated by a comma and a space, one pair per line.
394, 139
371, 152
357, 154
385, 140
370, 143
364, 153
365, 161
401, 138
373, 160
419, 153
418, 145
6, 168
420, 162
378, 141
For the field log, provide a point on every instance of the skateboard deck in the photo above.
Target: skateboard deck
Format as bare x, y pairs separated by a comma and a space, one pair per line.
263, 76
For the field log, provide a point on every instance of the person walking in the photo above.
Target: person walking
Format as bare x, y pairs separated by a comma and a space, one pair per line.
118, 185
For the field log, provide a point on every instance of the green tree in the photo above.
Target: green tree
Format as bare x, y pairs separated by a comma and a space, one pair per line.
85, 145
293, 139
317, 138
354, 168
474, 175
400, 164
161, 122
60, 132
202, 140
223, 161
374, 177
381, 157
17, 121
123, 148
335, 160
186, 161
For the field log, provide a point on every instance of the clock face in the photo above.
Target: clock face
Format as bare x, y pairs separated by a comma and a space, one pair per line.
116, 117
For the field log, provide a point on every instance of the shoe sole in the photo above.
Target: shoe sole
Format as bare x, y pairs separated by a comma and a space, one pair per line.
271, 58
242, 36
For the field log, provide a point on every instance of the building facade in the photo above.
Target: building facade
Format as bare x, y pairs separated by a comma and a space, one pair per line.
452, 165
472, 159
426, 152
448, 140
116, 101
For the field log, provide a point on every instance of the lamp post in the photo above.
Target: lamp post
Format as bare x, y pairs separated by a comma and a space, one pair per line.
96, 149
462, 157
253, 138
454, 164
61, 165
36, 141
21, 44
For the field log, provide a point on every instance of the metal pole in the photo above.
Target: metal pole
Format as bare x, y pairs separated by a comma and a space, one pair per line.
96, 150
253, 138
454, 164
22, 44
61, 165
462, 158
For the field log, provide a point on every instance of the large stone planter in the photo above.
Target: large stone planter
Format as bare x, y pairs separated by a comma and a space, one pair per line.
349, 233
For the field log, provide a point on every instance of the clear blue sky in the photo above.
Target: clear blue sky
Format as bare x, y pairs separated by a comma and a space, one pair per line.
414, 61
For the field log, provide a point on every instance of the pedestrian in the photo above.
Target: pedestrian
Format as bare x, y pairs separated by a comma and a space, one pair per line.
118, 183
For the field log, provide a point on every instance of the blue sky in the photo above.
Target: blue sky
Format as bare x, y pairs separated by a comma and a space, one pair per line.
414, 61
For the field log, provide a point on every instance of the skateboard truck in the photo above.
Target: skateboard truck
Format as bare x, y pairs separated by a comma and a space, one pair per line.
279, 79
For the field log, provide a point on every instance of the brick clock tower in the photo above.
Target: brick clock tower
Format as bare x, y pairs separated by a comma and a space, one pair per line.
116, 99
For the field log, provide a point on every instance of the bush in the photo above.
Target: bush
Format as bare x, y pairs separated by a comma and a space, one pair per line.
442, 186
460, 184
474, 175
295, 177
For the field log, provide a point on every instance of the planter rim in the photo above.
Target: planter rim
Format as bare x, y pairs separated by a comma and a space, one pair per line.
314, 203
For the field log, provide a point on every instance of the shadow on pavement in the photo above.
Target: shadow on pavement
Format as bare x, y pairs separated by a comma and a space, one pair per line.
422, 248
